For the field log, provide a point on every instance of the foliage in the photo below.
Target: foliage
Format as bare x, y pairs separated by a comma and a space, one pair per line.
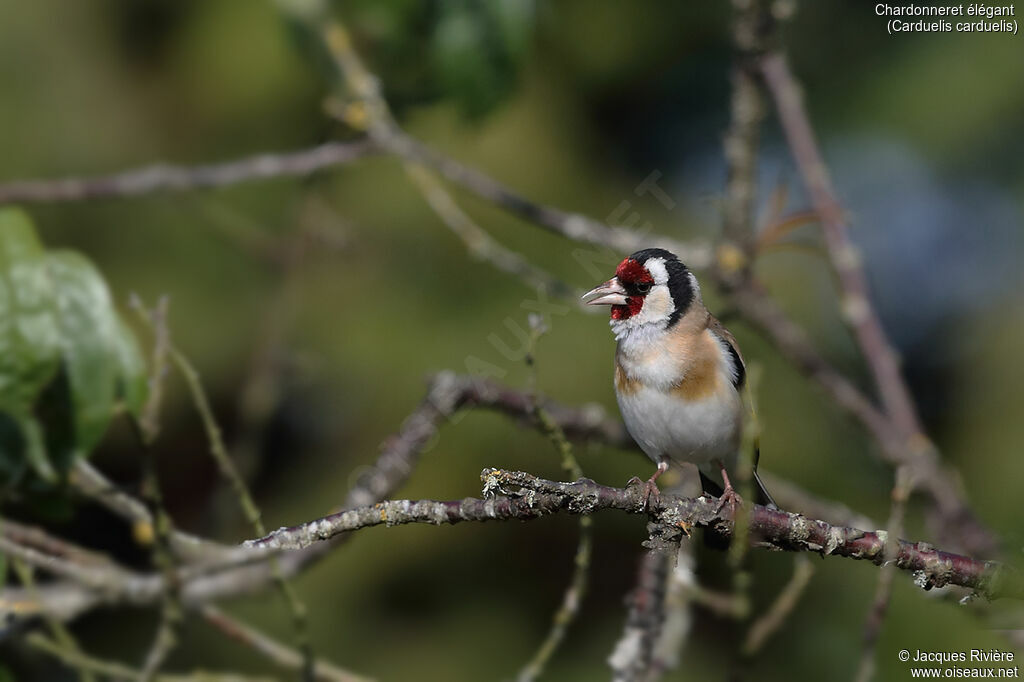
67, 359
470, 53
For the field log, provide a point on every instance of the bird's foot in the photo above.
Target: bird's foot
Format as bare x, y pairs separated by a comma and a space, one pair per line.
650, 490
730, 500
650, 487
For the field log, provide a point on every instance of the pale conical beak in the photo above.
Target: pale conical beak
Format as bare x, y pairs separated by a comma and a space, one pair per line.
608, 293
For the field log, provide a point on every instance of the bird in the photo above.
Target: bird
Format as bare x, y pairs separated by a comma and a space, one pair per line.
678, 372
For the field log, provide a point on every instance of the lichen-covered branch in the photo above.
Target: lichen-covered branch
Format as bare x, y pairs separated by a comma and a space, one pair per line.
215, 571
776, 529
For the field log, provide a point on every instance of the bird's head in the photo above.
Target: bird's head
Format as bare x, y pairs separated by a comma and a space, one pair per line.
650, 288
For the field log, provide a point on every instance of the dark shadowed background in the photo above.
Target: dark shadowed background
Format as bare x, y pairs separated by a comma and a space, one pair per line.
573, 103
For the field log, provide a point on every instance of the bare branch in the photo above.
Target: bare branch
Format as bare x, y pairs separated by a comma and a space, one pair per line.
772, 619
914, 447
576, 590
168, 178
218, 450
479, 243
273, 650
632, 659
160, 546
105, 580
791, 496
883, 590
574, 226
746, 112
32, 537
860, 314
681, 591
118, 671
88, 481
771, 527
215, 571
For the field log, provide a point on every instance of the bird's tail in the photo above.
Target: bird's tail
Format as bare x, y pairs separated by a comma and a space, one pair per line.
763, 496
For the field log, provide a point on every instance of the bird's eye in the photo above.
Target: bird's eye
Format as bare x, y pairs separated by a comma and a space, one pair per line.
643, 287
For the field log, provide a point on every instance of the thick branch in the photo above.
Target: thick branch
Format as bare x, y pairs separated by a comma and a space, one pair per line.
770, 528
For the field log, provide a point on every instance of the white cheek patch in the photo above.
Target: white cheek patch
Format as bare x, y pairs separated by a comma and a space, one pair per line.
656, 266
657, 306
652, 318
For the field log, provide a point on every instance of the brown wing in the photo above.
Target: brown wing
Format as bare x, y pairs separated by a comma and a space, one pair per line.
763, 496
740, 369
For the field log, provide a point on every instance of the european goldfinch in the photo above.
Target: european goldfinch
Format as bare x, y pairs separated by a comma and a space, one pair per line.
678, 371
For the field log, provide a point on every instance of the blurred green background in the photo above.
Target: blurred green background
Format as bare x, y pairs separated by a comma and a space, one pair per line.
573, 103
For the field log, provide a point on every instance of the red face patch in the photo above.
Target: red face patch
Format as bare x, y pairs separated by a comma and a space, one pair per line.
632, 307
631, 272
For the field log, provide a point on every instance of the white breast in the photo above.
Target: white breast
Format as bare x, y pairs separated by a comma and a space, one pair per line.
697, 431
663, 420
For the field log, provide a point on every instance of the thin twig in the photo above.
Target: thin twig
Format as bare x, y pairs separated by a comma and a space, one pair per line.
791, 496
148, 427
947, 496
878, 352
122, 673
772, 619
281, 655
479, 243
37, 538
168, 178
149, 418
104, 580
374, 116
574, 226
913, 446
883, 590
746, 110
576, 591
296, 608
88, 481
62, 636
745, 480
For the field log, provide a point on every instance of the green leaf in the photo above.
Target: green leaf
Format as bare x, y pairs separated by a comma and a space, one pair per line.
478, 49
90, 334
29, 332
66, 356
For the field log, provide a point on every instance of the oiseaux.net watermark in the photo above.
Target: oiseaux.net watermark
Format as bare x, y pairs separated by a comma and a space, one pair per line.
960, 664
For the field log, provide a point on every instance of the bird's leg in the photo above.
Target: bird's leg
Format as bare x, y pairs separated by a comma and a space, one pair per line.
650, 487
729, 495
